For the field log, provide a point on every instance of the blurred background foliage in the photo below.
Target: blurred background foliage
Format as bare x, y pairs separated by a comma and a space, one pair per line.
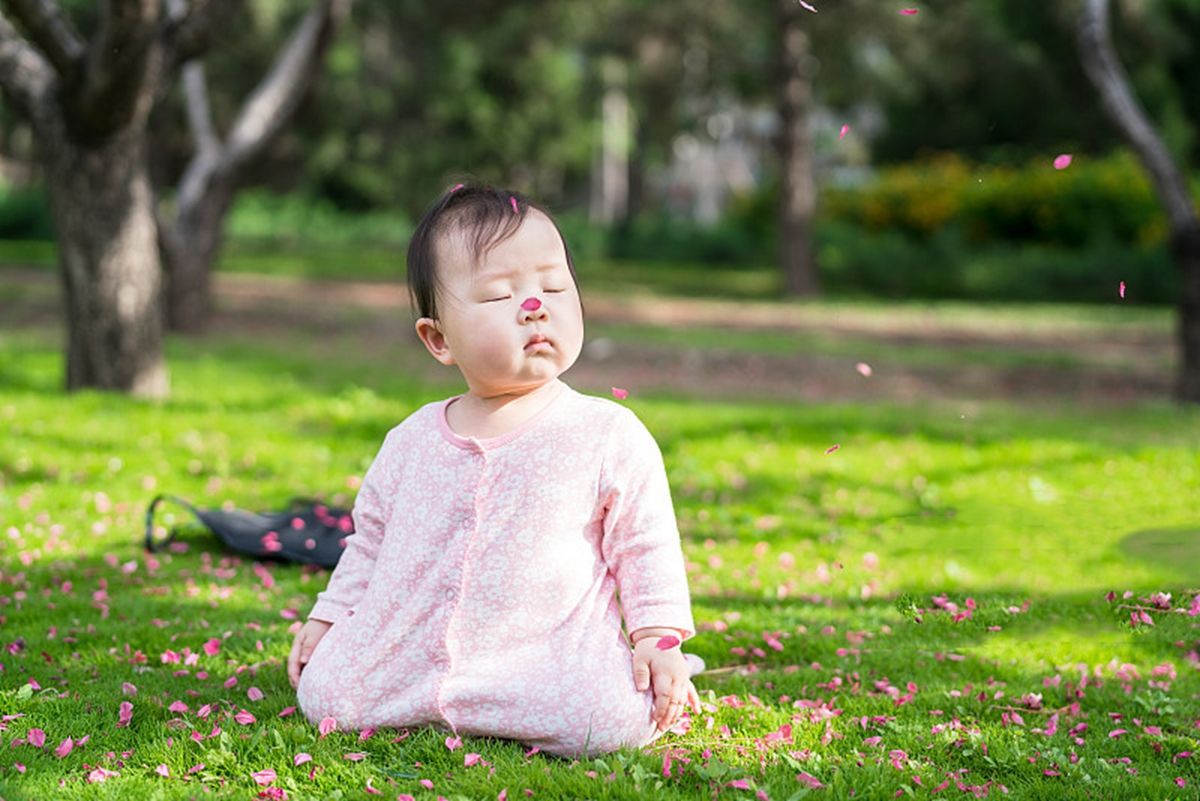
942, 188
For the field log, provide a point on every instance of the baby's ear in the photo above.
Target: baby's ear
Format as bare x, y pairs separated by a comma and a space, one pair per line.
434, 341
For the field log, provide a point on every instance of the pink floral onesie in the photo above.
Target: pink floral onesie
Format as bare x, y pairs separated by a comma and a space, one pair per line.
477, 593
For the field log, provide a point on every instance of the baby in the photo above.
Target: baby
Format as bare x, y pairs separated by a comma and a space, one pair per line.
493, 528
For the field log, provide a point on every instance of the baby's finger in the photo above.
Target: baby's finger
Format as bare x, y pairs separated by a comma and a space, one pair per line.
693, 698
293, 667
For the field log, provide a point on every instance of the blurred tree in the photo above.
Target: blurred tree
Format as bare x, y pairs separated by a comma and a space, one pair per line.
1103, 68
88, 102
190, 234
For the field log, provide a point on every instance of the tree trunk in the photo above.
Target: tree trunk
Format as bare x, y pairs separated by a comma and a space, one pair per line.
189, 248
1104, 70
1185, 248
798, 191
108, 259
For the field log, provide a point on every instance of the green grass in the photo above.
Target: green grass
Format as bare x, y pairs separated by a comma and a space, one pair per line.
834, 555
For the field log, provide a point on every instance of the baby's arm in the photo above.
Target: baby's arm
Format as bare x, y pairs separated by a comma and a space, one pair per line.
641, 543
353, 572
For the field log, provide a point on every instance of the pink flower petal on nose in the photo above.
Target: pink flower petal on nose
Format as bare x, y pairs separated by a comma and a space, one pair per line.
832, 448
531, 304
620, 394
1121, 289
909, 12
863, 368
1062, 162
845, 130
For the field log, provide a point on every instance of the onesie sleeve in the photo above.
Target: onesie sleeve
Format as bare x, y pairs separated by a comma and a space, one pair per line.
372, 508
640, 542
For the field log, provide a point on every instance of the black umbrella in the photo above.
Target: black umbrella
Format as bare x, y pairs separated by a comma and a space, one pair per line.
307, 532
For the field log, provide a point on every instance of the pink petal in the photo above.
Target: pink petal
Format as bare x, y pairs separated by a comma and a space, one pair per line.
177, 706
124, 713
36, 737
128, 689
456, 187
64, 748
287, 710
1062, 162
740, 784
807, 7
371, 789
620, 394
453, 743
1118, 732
470, 759
254, 694
1122, 289
211, 647
667, 643
845, 130
863, 368
264, 776
163, 770
531, 304
243, 717
326, 725
356, 756
909, 12
832, 448
514, 205
301, 758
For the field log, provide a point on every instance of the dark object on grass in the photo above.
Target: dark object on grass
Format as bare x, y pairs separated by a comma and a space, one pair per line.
307, 532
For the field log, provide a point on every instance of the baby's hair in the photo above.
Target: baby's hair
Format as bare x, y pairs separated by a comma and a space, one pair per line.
492, 214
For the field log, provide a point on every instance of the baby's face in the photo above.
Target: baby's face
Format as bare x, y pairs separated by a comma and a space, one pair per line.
484, 329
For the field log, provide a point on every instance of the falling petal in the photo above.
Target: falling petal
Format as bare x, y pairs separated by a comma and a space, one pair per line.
1121, 289
620, 394
832, 448
845, 130
909, 12
807, 7
864, 369
1062, 162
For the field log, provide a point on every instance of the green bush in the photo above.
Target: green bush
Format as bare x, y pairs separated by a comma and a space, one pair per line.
25, 213
1091, 201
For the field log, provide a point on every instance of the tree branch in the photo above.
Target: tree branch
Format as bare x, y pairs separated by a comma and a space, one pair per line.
191, 33
25, 75
50, 31
275, 99
1103, 68
115, 79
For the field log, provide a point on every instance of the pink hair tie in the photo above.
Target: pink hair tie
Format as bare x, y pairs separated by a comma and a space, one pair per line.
456, 187
514, 204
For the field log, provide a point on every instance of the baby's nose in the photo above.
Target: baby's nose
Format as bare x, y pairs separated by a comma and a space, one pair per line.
531, 304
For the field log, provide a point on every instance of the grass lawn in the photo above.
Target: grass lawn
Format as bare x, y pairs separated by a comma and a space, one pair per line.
924, 607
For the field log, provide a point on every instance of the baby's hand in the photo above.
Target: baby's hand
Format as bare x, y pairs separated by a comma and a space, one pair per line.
669, 673
302, 647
